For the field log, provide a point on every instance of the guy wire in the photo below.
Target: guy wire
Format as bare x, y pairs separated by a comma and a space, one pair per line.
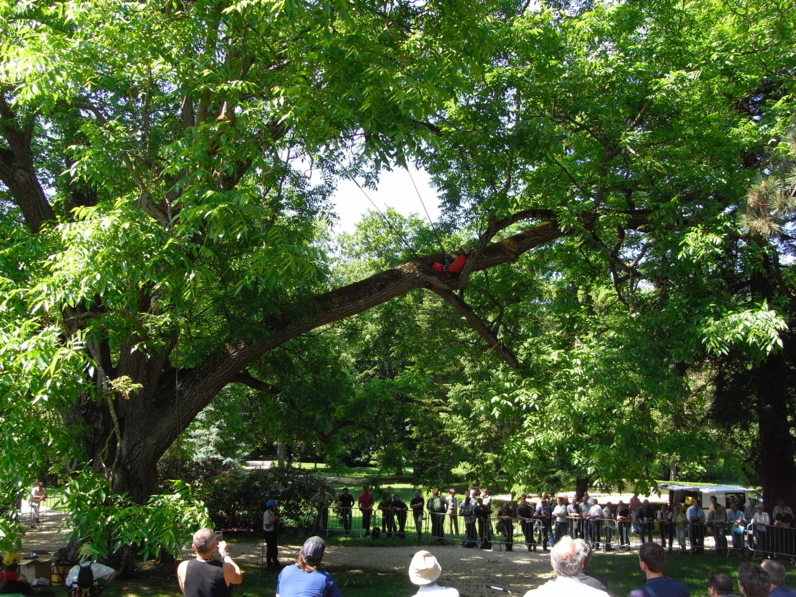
383, 217
430, 223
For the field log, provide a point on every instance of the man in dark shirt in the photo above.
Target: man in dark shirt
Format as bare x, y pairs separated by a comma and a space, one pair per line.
525, 518
346, 503
416, 505
205, 576
651, 558
400, 509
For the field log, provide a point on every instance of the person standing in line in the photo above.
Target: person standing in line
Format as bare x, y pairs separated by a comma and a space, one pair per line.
484, 528
205, 576
387, 515
452, 511
322, 500
365, 503
467, 512
416, 506
526, 521
717, 519
782, 517
436, 510
400, 509
575, 516
651, 559
680, 526
609, 525
560, 514
664, 518
305, 578
761, 528
646, 521
505, 524
270, 523
635, 507
624, 518
544, 514
346, 504
696, 526
594, 521
737, 524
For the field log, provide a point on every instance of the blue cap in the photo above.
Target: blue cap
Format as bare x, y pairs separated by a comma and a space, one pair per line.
270, 503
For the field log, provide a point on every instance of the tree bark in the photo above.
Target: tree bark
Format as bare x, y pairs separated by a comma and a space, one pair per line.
17, 170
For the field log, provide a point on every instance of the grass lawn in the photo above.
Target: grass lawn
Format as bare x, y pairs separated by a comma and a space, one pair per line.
624, 575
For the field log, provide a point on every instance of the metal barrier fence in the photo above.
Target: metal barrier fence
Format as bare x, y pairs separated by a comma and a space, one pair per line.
763, 540
600, 533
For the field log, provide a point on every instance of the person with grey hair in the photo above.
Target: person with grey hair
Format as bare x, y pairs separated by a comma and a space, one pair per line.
205, 576
777, 573
567, 559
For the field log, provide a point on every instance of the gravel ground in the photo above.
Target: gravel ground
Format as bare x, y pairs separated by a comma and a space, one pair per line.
469, 570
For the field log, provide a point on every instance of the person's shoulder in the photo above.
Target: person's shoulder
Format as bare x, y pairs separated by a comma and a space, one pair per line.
668, 587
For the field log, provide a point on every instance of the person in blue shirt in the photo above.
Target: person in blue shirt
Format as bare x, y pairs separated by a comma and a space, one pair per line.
651, 558
305, 578
696, 526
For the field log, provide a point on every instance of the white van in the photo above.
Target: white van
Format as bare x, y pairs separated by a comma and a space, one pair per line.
684, 493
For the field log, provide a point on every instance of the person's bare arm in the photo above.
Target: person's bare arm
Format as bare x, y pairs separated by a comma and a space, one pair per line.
232, 573
181, 574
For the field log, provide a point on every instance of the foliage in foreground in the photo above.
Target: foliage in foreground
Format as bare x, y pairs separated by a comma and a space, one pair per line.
104, 522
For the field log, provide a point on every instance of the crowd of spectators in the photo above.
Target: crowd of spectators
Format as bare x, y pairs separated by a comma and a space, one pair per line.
539, 524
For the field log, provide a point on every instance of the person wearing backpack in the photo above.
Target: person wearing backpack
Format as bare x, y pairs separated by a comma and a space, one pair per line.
87, 575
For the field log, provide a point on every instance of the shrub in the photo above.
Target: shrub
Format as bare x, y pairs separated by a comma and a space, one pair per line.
236, 499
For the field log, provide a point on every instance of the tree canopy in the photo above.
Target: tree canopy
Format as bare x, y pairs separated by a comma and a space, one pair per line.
622, 171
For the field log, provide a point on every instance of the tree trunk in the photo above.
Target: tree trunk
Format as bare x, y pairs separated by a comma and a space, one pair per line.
281, 454
774, 381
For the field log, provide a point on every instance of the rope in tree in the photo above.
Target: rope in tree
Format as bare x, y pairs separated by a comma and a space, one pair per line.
428, 217
384, 217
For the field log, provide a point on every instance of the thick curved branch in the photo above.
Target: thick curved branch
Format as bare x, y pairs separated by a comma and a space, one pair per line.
17, 170
479, 326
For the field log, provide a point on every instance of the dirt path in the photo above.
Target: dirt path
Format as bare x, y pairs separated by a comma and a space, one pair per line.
469, 570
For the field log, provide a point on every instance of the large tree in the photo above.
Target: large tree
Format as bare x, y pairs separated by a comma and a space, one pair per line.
160, 223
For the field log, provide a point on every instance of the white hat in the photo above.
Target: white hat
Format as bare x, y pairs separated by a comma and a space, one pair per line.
424, 569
